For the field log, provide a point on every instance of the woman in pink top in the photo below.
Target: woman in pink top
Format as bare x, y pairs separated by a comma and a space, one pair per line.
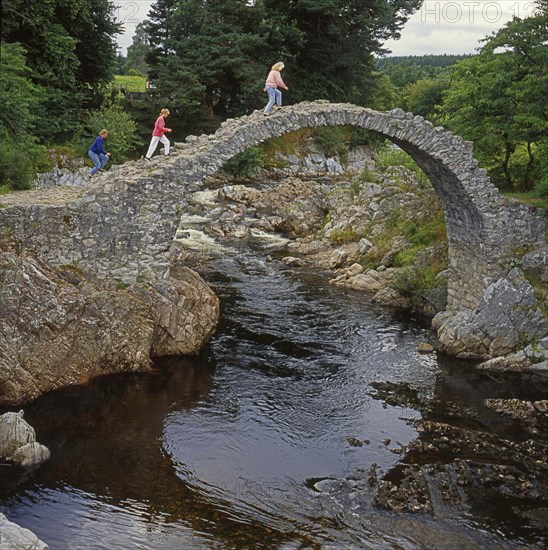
273, 82
158, 135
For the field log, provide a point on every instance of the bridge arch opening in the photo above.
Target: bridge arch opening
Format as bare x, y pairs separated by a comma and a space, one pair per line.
472, 207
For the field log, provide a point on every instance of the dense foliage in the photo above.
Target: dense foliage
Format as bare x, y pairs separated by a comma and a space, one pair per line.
121, 140
404, 70
214, 56
498, 100
335, 58
19, 151
208, 61
70, 49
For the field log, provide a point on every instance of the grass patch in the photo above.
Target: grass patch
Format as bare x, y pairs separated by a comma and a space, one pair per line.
388, 157
130, 83
422, 232
426, 232
121, 285
288, 144
4, 190
531, 199
416, 284
347, 235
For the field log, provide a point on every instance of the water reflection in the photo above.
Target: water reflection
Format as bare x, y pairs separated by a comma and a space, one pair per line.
248, 445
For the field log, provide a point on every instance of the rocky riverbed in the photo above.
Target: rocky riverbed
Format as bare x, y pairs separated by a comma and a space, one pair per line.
380, 231
468, 459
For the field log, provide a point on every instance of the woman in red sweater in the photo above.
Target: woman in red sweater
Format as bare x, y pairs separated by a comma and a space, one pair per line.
158, 135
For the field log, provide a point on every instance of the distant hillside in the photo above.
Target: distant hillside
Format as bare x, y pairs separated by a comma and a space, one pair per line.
404, 70
444, 60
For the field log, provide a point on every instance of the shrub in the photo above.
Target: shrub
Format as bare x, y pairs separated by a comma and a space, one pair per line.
245, 164
339, 236
415, 284
334, 141
362, 137
388, 156
20, 160
122, 138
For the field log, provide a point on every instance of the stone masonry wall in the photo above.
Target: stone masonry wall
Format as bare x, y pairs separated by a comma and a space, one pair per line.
127, 219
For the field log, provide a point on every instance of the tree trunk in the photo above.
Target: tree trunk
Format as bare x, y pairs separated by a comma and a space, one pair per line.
527, 180
507, 154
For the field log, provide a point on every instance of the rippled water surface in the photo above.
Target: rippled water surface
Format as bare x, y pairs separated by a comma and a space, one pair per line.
248, 446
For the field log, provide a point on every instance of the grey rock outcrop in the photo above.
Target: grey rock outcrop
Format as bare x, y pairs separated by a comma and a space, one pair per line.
508, 314
60, 177
18, 443
185, 312
31, 454
15, 537
57, 328
55, 333
14, 433
536, 263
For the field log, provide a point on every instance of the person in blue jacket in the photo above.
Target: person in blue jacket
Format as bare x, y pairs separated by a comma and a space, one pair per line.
97, 153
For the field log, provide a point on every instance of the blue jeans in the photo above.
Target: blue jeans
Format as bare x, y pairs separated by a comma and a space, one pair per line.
99, 161
274, 96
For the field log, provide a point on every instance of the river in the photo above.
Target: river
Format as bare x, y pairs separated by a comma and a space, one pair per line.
266, 440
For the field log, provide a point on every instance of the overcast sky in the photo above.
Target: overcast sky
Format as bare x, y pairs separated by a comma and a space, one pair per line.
440, 26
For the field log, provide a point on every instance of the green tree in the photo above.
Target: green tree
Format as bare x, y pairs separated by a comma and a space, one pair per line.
139, 49
498, 99
215, 55
71, 51
340, 37
424, 97
20, 156
405, 70
158, 29
385, 95
208, 54
122, 138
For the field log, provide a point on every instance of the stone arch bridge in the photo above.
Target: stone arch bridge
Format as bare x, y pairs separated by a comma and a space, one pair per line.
482, 229
129, 216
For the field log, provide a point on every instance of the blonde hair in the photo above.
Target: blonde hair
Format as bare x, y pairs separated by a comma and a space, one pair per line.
164, 111
103, 131
278, 66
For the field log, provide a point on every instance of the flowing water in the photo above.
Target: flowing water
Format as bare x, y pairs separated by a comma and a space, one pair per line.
264, 441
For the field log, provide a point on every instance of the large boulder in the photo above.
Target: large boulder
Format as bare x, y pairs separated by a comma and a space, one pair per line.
508, 315
29, 455
18, 443
536, 263
15, 432
15, 537
57, 328
185, 311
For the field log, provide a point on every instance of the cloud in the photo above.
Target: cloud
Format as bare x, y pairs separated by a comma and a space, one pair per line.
130, 13
455, 26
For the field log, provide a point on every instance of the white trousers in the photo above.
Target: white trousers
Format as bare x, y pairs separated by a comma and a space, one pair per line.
154, 143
